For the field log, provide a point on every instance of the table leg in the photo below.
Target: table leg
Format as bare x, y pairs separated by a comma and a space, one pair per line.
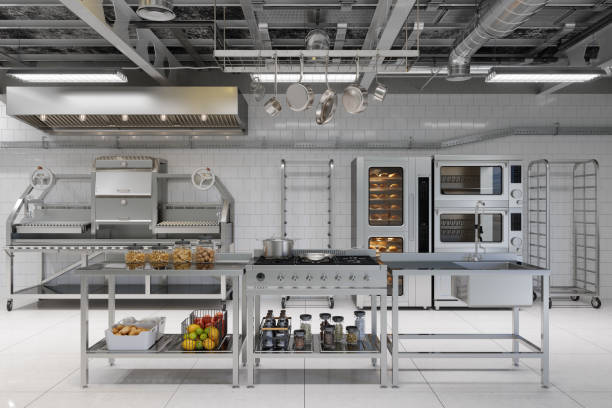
515, 333
111, 307
545, 363
255, 319
384, 383
373, 302
244, 318
235, 331
84, 331
250, 339
395, 332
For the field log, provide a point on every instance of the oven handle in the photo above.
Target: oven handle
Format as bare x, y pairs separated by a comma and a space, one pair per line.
412, 216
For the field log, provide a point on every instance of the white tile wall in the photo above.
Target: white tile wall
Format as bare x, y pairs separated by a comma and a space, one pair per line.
252, 175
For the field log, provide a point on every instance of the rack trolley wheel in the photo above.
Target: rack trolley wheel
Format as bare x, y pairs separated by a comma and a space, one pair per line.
330, 302
9, 305
535, 296
284, 302
550, 303
575, 298
596, 303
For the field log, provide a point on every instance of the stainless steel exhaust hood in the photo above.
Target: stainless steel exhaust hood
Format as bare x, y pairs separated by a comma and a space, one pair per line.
88, 110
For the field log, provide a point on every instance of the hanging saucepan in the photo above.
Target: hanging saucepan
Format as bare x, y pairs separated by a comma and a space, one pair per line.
381, 90
355, 97
273, 106
299, 96
257, 88
327, 104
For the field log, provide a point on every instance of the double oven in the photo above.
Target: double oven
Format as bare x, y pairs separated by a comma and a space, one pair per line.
478, 200
391, 212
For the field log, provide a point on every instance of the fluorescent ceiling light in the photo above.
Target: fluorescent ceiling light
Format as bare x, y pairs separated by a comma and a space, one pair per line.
308, 78
69, 77
543, 74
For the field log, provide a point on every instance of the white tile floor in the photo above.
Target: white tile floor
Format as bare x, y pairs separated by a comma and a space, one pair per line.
39, 365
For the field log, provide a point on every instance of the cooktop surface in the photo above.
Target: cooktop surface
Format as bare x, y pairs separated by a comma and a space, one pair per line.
334, 260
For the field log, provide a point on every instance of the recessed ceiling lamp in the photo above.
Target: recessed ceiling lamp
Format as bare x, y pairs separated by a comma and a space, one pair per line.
125, 117
543, 74
308, 78
69, 76
156, 10
203, 117
163, 117
82, 118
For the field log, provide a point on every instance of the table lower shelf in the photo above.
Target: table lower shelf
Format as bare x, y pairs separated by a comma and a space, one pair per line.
168, 346
368, 347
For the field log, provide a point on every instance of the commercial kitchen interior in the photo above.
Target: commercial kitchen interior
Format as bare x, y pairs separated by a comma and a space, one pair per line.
190, 133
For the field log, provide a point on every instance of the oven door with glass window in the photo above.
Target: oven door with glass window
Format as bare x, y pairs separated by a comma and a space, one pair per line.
461, 183
454, 230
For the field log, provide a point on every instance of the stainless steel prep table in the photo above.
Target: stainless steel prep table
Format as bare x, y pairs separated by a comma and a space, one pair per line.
446, 265
230, 266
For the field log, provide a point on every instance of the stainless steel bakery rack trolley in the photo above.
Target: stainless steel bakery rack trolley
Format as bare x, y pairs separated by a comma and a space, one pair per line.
285, 176
584, 226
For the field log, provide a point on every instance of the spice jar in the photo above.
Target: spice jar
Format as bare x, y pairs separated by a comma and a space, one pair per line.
159, 257
352, 335
328, 337
324, 322
305, 325
181, 254
360, 323
299, 341
135, 257
338, 329
267, 336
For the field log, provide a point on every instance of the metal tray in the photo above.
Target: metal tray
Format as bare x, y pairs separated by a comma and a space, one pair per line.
370, 344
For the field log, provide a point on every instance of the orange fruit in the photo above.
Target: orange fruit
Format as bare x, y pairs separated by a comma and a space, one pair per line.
214, 334
193, 327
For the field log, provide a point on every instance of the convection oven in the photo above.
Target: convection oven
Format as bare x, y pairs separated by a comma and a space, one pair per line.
391, 212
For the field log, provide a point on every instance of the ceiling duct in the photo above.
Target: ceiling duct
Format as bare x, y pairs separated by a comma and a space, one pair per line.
156, 10
121, 111
500, 19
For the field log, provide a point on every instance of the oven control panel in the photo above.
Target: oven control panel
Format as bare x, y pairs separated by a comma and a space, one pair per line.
287, 278
515, 184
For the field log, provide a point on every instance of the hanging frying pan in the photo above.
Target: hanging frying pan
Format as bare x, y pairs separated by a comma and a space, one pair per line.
299, 96
328, 102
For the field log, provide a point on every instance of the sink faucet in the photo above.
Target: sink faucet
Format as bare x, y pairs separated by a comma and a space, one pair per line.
475, 257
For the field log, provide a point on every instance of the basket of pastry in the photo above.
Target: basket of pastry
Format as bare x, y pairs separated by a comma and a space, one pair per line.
131, 334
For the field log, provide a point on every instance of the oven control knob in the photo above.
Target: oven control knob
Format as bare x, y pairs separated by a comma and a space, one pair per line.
517, 242
323, 276
338, 277
516, 194
260, 276
352, 277
280, 278
309, 277
294, 278
366, 277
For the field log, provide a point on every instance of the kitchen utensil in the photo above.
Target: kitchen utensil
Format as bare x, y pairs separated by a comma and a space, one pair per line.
257, 87
317, 40
328, 102
355, 97
277, 247
381, 90
299, 96
316, 256
273, 106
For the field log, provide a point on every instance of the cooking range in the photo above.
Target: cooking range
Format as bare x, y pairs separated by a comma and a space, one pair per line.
341, 268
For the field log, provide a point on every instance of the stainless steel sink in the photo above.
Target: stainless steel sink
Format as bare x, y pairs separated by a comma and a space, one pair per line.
488, 265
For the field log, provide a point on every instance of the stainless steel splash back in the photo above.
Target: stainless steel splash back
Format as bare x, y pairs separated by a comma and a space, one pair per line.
130, 110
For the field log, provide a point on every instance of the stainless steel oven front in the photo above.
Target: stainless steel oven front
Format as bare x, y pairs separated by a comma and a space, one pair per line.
463, 180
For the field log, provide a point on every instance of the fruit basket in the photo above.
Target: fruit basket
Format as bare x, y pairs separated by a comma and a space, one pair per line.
204, 329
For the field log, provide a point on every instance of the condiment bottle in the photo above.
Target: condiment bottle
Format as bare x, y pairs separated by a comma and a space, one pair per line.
306, 326
324, 323
352, 334
299, 339
328, 337
360, 323
338, 329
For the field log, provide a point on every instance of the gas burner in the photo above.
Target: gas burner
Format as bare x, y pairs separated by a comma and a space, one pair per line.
354, 260
335, 260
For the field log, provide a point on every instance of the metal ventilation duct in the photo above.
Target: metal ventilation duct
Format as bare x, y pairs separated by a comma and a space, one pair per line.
156, 10
130, 110
502, 17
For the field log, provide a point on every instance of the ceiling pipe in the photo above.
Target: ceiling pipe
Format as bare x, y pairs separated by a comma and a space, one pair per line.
501, 18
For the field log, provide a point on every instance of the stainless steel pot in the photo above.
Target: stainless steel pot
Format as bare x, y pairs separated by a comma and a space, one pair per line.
317, 40
355, 97
277, 247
